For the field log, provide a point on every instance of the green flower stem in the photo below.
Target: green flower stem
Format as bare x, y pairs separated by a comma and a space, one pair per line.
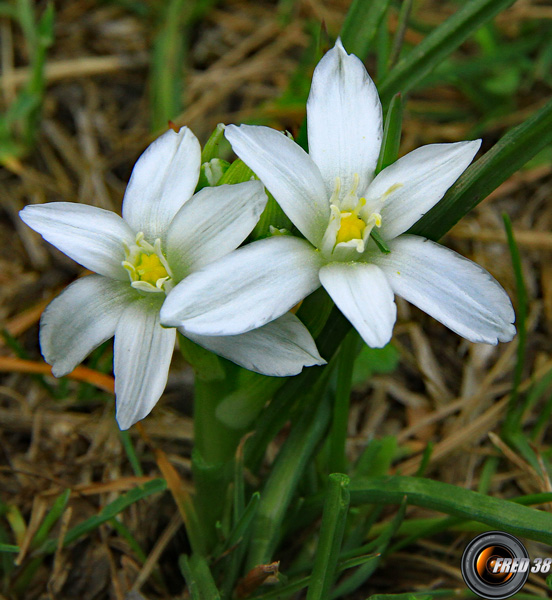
215, 441
213, 455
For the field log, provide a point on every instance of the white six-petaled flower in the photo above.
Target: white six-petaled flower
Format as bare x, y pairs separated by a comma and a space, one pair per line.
335, 200
166, 233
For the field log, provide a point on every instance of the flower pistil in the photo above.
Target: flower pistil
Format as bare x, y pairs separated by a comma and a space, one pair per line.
147, 266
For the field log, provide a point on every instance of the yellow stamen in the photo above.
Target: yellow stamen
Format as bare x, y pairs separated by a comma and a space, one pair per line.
352, 227
150, 269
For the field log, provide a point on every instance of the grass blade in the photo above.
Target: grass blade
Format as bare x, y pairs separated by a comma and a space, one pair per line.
337, 461
437, 45
456, 501
199, 580
508, 155
108, 512
361, 25
282, 482
334, 517
391, 134
513, 414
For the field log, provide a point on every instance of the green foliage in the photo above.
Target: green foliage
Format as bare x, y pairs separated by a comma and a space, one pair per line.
372, 361
361, 25
19, 124
508, 155
439, 44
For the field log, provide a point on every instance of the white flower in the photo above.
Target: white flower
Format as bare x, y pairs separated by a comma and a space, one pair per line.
334, 200
165, 234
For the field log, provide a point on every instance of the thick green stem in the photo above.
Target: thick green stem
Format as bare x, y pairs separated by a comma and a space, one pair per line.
215, 442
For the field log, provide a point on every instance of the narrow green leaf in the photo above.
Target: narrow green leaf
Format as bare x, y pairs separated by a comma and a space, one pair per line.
507, 156
236, 546
361, 25
199, 579
337, 461
282, 482
391, 141
51, 518
278, 411
9, 548
125, 533
456, 501
425, 459
133, 459
441, 42
331, 535
169, 49
514, 412
242, 526
361, 575
108, 512
398, 40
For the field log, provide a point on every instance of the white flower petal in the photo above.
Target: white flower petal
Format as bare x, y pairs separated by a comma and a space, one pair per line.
288, 173
344, 120
452, 289
280, 348
89, 235
246, 289
142, 356
81, 318
163, 178
363, 295
212, 224
407, 189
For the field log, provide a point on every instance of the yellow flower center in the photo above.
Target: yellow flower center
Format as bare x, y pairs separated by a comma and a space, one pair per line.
352, 227
150, 269
147, 266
